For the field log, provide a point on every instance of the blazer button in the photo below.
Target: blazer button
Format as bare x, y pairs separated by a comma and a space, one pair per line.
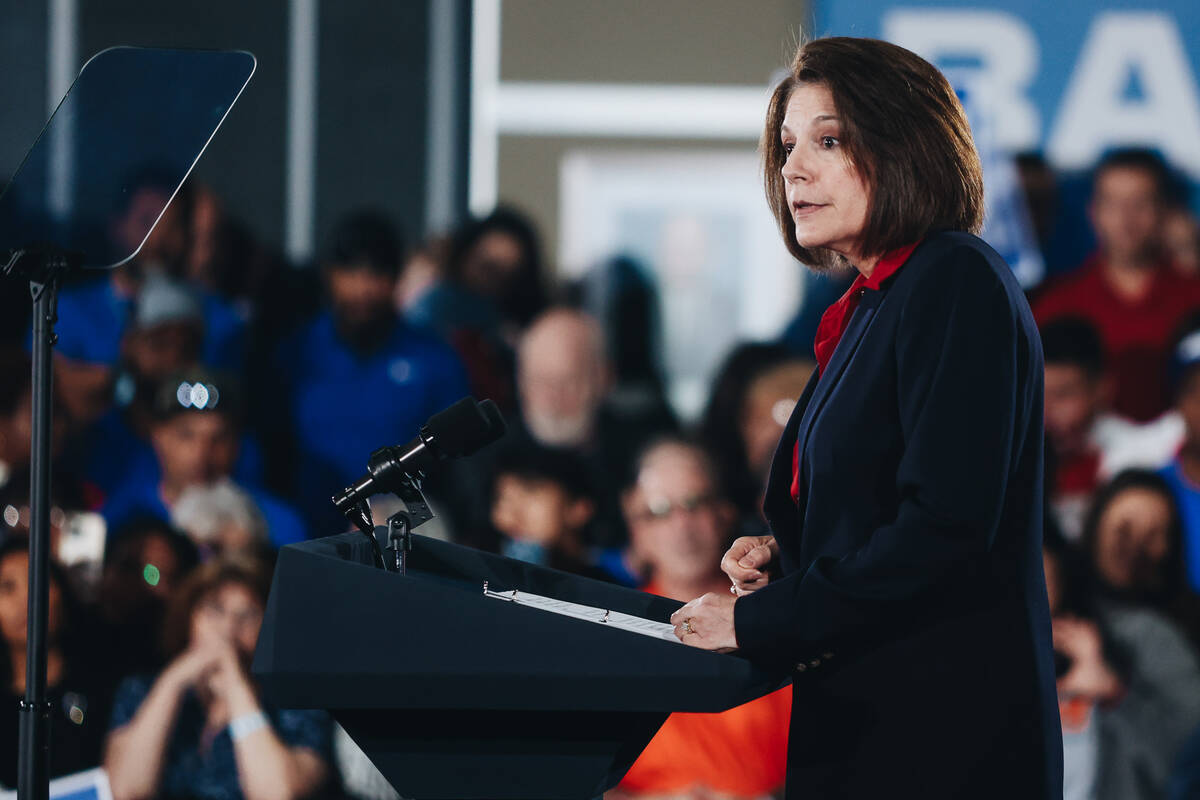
801, 667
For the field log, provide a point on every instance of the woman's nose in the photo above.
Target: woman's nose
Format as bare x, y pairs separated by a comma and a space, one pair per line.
794, 168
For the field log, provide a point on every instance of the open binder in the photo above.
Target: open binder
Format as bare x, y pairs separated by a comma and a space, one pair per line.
455, 694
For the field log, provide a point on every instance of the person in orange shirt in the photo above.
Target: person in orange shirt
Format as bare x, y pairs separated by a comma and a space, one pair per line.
679, 518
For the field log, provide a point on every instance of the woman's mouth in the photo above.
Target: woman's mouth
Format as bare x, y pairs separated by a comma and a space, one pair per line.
805, 209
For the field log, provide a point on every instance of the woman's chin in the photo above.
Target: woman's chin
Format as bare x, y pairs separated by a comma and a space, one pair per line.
826, 261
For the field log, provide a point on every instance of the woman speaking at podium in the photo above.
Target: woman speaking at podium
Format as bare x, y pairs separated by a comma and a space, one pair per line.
903, 585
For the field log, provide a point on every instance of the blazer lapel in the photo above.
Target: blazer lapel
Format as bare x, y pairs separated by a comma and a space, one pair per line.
842, 355
778, 508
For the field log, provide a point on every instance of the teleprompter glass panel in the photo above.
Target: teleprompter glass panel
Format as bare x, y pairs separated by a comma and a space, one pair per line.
117, 148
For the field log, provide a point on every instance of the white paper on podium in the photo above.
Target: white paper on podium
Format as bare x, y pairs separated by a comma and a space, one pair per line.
602, 616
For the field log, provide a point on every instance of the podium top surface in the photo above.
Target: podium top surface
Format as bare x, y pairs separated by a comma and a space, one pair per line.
342, 633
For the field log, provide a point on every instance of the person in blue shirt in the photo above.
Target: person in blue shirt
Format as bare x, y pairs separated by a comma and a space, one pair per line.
199, 728
358, 376
196, 441
94, 314
164, 336
1183, 473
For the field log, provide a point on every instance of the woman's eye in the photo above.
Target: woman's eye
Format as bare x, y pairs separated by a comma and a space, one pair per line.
828, 142
788, 147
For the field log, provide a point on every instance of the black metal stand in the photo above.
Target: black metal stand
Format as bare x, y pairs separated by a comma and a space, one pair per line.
45, 270
399, 541
399, 526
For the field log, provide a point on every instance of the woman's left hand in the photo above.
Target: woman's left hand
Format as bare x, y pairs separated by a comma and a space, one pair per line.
230, 683
709, 623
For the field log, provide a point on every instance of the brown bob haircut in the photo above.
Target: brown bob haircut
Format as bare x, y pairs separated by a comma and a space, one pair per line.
903, 129
251, 573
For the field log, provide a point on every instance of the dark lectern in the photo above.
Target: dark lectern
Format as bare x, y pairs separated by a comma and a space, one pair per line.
453, 694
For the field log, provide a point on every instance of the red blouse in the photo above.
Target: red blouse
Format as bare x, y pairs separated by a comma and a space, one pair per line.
837, 317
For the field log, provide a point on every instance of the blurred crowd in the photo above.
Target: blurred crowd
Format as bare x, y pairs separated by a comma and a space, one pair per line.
210, 398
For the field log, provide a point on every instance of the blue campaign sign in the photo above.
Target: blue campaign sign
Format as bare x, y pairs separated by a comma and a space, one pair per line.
1072, 79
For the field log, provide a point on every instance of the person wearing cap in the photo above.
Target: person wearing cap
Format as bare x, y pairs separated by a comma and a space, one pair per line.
94, 315
165, 335
1183, 471
196, 439
358, 376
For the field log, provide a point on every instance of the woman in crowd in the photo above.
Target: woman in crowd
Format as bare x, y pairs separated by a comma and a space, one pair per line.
905, 498
79, 689
199, 729
145, 562
492, 287
222, 519
752, 398
1128, 687
1133, 538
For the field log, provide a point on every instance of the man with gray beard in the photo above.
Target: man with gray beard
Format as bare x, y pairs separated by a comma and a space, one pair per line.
563, 376
564, 392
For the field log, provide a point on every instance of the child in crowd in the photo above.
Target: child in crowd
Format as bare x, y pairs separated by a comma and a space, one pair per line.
1088, 442
541, 505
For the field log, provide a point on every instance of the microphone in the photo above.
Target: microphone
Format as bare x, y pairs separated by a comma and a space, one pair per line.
457, 431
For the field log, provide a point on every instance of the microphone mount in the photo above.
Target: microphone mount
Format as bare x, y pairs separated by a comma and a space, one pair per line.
456, 431
399, 526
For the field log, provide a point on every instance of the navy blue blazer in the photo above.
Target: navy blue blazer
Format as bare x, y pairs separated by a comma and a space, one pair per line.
911, 605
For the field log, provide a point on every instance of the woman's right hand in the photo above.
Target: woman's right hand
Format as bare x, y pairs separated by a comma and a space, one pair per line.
748, 563
193, 666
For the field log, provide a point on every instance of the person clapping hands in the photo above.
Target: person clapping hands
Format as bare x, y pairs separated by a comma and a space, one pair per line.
199, 728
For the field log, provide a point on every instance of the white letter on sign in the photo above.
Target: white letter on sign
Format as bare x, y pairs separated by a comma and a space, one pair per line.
1146, 47
1002, 43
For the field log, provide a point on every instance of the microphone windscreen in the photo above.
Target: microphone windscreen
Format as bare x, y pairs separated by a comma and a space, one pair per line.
465, 427
496, 424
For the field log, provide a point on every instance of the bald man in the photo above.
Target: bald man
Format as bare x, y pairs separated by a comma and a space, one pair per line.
564, 383
563, 376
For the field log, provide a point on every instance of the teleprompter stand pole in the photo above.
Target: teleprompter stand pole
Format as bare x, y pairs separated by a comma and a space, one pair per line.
45, 270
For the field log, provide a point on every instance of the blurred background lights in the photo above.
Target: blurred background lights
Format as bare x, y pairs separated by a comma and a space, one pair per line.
199, 396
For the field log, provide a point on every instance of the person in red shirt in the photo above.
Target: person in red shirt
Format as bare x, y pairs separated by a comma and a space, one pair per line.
1127, 288
682, 523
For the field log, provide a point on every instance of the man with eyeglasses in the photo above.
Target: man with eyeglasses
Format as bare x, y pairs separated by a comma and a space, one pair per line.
680, 524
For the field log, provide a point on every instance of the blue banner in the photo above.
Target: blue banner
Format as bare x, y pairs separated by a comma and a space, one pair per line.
1071, 79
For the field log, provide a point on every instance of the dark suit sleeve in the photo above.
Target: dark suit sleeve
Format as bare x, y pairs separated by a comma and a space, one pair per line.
958, 365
